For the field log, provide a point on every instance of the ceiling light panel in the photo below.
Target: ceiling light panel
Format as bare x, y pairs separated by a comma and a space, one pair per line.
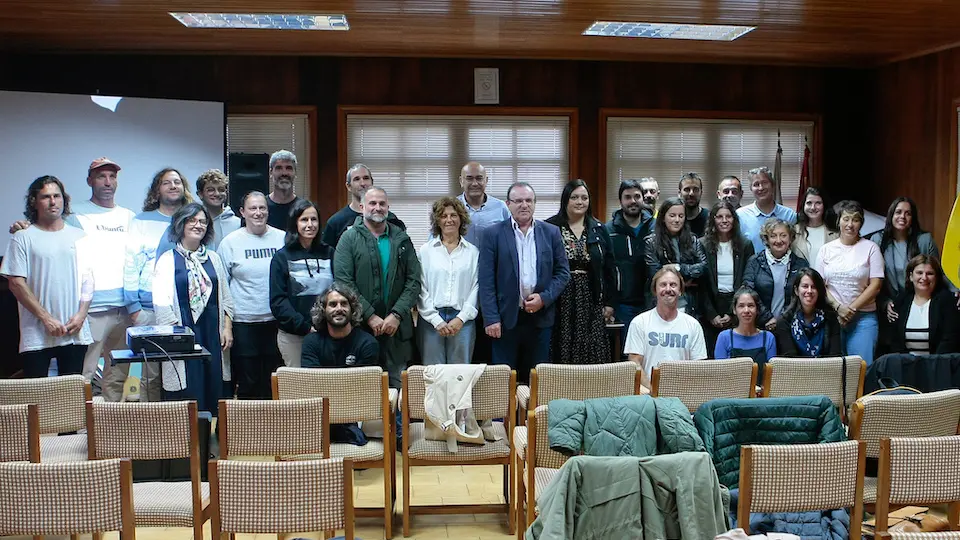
263, 21
702, 32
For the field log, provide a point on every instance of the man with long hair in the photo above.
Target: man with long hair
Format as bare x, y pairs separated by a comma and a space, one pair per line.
339, 341
47, 266
146, 241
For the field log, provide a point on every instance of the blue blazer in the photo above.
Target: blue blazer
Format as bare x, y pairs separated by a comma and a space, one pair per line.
499, 271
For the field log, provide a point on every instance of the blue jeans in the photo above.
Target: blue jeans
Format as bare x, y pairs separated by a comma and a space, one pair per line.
437, 349
625, 314
860, 336
522, 347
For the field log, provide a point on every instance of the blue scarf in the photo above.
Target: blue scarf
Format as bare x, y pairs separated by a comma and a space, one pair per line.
808, 336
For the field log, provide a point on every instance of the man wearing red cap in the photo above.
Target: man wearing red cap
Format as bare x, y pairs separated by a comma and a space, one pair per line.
106, 223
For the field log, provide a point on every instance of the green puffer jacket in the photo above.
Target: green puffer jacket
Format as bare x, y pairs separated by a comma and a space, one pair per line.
635, 426
727, 424
357, 263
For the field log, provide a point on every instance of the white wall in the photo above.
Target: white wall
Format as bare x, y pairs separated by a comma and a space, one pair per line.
61, 134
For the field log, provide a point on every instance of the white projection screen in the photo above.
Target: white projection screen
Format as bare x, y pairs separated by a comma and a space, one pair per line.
60, 134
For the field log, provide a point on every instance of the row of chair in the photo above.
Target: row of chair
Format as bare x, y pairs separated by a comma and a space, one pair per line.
241, 497
699, 381
808, 477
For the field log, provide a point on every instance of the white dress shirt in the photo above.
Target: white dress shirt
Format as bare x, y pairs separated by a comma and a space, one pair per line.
449, 280
526, 258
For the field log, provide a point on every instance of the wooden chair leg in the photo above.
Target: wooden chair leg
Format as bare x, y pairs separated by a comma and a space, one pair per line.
406, 497
387, 490
520, 497
508, 488
198, 530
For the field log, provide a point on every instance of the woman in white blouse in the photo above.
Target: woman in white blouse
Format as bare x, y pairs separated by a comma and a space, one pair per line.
813, 228
448, 292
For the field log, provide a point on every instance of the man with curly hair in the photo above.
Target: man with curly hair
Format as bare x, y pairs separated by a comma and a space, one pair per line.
338, 342
212, 190
50, 276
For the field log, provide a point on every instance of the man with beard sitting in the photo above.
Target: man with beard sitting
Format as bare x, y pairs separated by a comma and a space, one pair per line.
337, 342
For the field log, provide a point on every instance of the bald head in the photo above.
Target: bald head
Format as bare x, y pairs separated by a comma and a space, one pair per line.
473, 181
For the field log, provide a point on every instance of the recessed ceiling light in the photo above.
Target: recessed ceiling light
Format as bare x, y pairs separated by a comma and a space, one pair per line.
263, 21
706, 32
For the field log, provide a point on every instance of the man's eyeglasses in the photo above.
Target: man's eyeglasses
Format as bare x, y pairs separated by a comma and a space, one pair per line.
522, 201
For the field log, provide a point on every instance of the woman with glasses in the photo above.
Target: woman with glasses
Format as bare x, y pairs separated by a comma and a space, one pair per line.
190, 289
586, 303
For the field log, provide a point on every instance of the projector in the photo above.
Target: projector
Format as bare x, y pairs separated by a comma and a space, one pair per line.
157, 339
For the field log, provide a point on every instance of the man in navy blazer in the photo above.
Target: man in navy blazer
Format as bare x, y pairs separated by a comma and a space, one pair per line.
523, 270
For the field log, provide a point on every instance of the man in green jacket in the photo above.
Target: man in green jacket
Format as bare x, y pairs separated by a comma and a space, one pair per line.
379, 261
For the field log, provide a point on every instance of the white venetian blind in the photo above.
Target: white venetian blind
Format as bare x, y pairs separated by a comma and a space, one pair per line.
417, 158
267, 133
668, 148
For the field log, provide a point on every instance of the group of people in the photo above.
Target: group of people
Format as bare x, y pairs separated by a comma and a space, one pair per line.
762, 280
276, 288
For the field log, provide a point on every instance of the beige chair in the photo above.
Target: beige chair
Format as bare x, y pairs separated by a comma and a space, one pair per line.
276, 429
255, 497
576, 382
360, 394
696, 382
786, 377
72, 498
493, 398
535, 466
148, 431
801, 478
60, 403
19, 433
873, 418
919, 471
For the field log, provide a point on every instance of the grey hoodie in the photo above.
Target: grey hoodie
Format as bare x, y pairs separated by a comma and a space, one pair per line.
224, 224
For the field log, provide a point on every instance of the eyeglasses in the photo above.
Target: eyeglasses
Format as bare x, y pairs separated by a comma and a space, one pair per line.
196, 221
522, 201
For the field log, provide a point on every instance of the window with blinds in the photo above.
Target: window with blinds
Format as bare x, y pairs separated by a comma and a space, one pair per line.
417, 158
267, 133
668, 148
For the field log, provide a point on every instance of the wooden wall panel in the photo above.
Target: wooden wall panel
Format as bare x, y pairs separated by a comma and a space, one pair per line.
914, 115
325, 82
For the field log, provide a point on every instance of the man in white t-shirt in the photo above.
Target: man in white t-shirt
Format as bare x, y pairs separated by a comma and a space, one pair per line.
664, 333
106, 225
46, 265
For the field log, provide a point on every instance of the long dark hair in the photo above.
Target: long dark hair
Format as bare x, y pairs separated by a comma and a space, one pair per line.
913, 233
30, 210
829, 216
937, 271
662, 236
293, 233
711, 238
561, 217
822, 303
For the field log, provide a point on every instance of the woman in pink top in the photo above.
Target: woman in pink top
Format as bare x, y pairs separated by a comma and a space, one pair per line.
852, 268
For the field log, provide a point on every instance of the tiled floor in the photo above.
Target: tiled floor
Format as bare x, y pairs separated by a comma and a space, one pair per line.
428, 485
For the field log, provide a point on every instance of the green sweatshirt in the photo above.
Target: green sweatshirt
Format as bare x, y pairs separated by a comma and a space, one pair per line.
667, 497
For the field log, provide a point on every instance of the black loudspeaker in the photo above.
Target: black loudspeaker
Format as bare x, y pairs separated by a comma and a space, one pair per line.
248, 172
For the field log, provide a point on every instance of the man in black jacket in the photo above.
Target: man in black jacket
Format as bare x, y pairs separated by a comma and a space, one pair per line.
628, 229
359, 180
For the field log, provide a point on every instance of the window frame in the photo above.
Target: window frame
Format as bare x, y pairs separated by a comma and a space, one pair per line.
816, 146
572, 114
313, 181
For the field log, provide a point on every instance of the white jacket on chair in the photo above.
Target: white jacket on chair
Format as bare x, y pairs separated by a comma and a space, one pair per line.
448, 402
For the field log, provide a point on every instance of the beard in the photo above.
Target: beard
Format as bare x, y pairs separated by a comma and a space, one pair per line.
376, 218
631, 211
338, 321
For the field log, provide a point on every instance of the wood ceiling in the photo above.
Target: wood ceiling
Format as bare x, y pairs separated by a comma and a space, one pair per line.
812, 32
